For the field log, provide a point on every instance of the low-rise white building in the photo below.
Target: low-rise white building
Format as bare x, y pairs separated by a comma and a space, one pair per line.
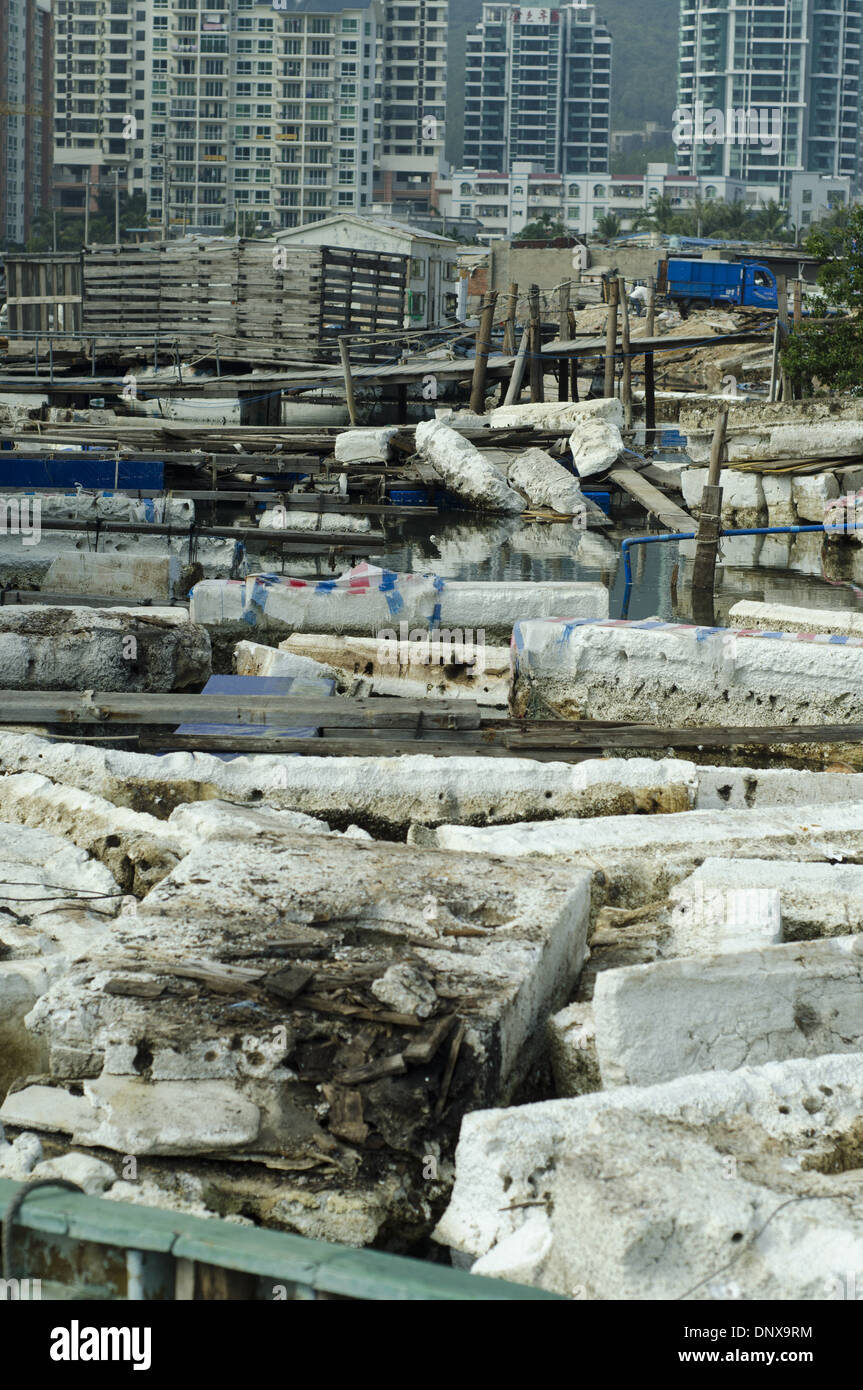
433, 273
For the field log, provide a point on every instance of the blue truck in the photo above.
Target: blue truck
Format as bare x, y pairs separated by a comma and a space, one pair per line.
720, 284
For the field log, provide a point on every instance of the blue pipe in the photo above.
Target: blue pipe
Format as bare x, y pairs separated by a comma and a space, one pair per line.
691, 536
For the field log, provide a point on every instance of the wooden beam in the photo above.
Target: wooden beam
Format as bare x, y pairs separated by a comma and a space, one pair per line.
654, 502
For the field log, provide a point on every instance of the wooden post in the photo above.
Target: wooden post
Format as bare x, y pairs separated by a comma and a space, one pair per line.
536, 383
509, 322
798, 303
349, 381
627, 360
649, 402
514, 389
483, 343
563, 331
651, 308
774, 366
573, 361
610, 339
709, 525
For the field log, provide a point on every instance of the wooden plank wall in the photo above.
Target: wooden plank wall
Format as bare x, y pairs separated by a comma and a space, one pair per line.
251, 300
363, 292
44, 293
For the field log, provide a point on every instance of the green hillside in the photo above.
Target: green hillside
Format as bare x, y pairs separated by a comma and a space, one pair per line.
644, 65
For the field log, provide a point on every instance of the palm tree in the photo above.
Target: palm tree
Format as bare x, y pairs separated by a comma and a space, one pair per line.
660, 217
608, 226
771, 221
735, 219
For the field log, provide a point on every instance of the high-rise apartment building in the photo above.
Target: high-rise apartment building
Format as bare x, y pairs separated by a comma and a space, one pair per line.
25, 115
785, 78
101, 72
538, 86
413, 75
259, 115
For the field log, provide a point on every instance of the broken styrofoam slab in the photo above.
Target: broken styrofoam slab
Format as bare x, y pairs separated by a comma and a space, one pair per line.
779, 499
255, 659
780, 617
91, 1174
572, 1050
48, 648
136, 848
742, 788
367, 602
508, 1160
42, 874
813, 492
670, 673
281, 518
556, 415
464, 470
643, 1208
18, 1159
197, 821
382, 794
596, 446
822, 439
712, 920
743, 500
107, 506
446, 664
133, 1116
365, 445
21, 984
116, 576
546, 483
635, 860
817, 899
721, 1012
332, 898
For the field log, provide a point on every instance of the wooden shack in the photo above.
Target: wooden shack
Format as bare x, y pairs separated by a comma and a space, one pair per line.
248, 300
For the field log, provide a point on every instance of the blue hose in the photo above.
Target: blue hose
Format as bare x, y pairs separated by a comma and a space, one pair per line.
691, 536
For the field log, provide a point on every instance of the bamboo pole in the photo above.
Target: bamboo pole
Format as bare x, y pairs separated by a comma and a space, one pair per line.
349, 381
509, 322
563, 330
573, 365
483, 343
627, 360
514, 388
651, 308
704, 567
536, 383
610, 339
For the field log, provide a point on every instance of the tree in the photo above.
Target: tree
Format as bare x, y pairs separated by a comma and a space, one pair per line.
771, 222
608, 226
545, 228
832, 354
660, 217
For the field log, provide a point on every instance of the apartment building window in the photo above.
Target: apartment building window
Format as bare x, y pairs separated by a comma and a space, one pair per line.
265, 45
262, 176
243, 109
265, 89
265, 26
319, 26
244, 22
244, 45
351, 26
317, 199
318, 69
320, 46
242, 176
213, 66
263, 113
244, 67
242, 132
244, 89
264, 69
347, 176
345, 199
